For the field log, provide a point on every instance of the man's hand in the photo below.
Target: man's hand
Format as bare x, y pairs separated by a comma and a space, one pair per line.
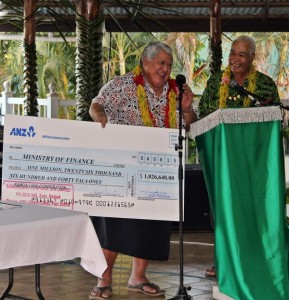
189, 115
98, 114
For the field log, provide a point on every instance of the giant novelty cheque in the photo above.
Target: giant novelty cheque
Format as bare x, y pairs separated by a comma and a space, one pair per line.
116, 171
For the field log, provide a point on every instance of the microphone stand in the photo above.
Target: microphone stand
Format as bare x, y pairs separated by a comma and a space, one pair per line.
283, 106
182, 291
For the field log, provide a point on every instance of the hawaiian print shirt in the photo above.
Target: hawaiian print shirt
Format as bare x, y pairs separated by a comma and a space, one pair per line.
209, 102
119, 98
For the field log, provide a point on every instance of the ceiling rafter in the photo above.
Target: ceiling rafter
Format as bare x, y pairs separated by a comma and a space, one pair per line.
178, 16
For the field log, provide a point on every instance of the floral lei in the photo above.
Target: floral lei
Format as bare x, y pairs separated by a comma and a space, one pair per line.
224, 88
146, 113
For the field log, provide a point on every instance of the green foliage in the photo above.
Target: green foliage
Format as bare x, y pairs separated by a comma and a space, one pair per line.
121, 52
56, 60
192, 151
56, 64
88, 63
30, 79
216, 57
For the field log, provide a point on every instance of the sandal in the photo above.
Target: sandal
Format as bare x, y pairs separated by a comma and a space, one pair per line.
139, 288
98, 293
211, 273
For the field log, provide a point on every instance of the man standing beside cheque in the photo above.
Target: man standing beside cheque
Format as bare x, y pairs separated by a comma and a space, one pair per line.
147, 96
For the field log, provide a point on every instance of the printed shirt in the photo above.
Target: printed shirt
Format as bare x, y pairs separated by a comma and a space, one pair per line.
119, 98
209, 102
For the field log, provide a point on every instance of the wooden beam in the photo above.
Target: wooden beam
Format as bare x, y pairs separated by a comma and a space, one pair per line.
29, 21
215, 21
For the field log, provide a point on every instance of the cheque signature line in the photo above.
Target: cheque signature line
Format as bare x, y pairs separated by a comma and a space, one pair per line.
156, 195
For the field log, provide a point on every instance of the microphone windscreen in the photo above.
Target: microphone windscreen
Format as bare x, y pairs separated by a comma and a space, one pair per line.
233, 84
180, 80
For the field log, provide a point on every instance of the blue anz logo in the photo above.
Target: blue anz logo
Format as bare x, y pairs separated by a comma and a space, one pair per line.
30, 132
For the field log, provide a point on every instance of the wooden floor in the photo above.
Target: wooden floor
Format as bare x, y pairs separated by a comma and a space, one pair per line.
67, 280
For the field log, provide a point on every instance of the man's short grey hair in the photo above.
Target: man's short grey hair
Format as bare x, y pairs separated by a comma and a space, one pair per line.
152, 49
249, 40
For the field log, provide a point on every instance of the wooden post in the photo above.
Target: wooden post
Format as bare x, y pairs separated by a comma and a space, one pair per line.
29, 21
89, 9
215, 37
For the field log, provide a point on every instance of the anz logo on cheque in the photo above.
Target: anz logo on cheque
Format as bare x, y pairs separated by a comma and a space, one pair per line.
30, 132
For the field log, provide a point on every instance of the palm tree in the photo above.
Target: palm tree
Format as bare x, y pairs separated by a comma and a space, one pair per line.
89, 55
273, 56
30, 72
89, 23
12, 66
122, 51
56, 64
187, 47
89, 33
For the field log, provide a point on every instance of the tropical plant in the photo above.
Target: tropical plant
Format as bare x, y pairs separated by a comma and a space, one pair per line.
122, 51
89, 21
56, 64
12, 66
89, 28
273, 58
187, 48
29, 60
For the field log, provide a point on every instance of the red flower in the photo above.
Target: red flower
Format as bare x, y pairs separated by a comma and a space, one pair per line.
138, 79
225, 80
172, 85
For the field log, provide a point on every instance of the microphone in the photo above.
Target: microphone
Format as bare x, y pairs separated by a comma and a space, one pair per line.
255, 98
235, 85
180, 81
260, 102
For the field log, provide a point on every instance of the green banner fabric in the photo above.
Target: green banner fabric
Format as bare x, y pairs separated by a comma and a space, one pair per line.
241, 154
